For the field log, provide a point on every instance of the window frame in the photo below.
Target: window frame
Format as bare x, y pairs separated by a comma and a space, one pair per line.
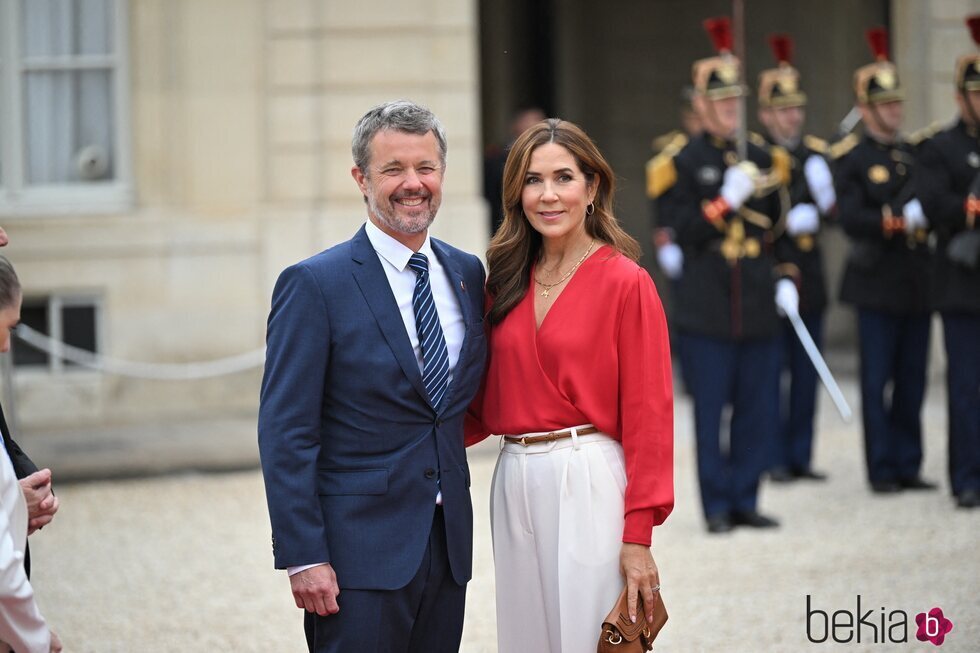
55, 302
19, 198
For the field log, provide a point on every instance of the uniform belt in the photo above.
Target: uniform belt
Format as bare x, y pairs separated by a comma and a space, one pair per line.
528, 440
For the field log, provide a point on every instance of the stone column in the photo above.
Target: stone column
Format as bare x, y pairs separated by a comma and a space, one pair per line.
327, 63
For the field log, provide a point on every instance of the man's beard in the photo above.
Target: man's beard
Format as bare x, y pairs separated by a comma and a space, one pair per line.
416, 221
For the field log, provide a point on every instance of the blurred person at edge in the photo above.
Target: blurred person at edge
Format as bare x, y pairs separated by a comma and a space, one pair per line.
948, 183
579, 387
22, 628
42, 504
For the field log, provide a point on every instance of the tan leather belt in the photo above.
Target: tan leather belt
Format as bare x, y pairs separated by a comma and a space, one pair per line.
527, 440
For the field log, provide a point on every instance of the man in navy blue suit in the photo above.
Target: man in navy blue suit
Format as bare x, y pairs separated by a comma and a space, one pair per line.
375, 349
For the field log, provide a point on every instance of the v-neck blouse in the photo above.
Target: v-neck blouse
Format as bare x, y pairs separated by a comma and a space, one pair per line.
600, 356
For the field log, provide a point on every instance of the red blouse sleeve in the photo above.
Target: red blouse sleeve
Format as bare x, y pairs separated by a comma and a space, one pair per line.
646, 408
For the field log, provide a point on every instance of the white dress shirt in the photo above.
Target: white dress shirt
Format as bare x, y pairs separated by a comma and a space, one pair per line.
394, 258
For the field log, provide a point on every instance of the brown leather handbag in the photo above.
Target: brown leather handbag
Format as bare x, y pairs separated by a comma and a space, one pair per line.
620, 635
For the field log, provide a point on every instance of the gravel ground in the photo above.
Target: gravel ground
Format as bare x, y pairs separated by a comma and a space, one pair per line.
183, 562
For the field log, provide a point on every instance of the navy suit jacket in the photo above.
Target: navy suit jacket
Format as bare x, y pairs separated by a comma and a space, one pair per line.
352, 452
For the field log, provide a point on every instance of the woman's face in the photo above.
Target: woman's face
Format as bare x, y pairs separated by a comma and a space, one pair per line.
556, 192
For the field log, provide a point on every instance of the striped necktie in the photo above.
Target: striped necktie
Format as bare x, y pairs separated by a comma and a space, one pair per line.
435, 355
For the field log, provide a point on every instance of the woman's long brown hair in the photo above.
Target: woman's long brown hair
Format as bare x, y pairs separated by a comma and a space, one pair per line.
516, 245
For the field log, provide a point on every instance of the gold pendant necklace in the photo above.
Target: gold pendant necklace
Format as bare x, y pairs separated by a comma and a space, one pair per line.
548, 286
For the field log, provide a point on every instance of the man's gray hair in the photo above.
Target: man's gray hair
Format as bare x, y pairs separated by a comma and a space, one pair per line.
9, 284
399, 115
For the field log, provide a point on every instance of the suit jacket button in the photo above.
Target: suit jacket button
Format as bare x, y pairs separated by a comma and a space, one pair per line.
438, 422
430, 473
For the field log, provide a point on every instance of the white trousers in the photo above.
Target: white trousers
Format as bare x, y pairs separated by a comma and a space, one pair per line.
556, 511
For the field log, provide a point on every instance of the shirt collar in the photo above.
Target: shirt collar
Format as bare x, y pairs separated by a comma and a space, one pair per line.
393, 251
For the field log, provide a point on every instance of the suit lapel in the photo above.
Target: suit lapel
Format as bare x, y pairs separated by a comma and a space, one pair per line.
451, 265
371, 279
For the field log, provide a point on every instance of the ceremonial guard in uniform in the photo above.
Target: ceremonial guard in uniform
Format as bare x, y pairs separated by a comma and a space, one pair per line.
725, 212
948, 184
887, 276
811, 190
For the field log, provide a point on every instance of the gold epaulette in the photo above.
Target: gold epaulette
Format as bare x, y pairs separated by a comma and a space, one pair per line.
843, 146
758, 140
673, 139
818, 145
919, 136
661, 174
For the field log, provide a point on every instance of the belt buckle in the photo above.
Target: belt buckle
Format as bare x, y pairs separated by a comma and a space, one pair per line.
523, 440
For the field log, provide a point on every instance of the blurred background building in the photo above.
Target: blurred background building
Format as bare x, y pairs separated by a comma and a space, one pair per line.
162, 160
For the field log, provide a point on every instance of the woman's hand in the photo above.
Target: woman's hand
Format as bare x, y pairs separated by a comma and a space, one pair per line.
642, 577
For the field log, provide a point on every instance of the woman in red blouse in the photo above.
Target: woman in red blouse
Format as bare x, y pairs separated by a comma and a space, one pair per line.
579, 386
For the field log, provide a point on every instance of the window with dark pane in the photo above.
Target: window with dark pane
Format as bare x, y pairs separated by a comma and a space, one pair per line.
78, 327
33, 313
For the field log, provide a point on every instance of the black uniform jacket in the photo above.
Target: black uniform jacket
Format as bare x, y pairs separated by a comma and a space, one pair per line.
888, 272
728, 283
949, 164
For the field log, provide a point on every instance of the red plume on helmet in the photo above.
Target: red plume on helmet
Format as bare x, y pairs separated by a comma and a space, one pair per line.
973, 22
720, 31
782, 48
878, 41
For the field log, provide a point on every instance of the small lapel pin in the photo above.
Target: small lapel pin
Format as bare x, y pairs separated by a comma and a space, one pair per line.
462, 285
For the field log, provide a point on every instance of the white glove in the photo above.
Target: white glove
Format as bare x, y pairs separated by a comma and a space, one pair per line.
737, 185
914, 217
820, 182
671, 260
787, 298
802, 219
